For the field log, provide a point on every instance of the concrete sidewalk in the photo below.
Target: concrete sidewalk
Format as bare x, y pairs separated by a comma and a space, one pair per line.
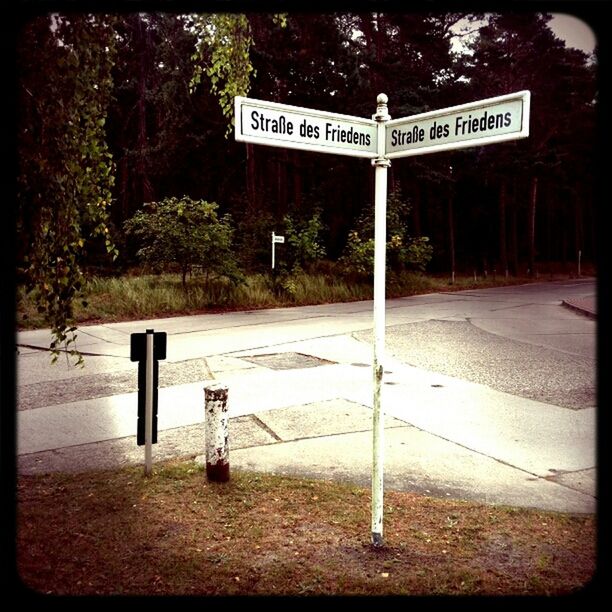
306, 410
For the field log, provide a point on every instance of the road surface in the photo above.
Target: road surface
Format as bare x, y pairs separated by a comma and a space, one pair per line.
489, 394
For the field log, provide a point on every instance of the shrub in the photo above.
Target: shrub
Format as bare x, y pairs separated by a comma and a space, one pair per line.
403, 251
187, 233
253, 240
304, 242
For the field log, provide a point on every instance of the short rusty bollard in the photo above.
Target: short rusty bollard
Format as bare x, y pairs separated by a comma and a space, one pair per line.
217, 435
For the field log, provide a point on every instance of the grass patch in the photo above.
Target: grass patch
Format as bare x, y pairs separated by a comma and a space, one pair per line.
115, 532
146, 296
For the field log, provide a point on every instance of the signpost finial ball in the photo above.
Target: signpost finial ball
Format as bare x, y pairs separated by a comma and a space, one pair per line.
382, 99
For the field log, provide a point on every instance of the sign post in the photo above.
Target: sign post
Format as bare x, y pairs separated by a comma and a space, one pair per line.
149, 405
479, 123
147, 349
276, 240
381, 163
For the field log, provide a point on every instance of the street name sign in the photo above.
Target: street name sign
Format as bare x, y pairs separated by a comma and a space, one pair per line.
381, 139
468, 125
294, 127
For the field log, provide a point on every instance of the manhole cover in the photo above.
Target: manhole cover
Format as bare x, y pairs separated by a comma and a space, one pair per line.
287, 361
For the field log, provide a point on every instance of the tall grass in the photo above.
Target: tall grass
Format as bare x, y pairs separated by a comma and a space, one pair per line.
149, 295
323, 289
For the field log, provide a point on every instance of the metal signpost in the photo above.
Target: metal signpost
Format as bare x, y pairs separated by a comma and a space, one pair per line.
276, 240
381, 164
381, 139
147, 349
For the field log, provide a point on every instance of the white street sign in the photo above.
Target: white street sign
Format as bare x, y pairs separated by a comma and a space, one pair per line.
293, 127
468, 125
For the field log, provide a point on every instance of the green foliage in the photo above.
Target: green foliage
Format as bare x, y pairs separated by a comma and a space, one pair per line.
403, 252
253, 239
187, 233
65, 170
282, 283
303, 240
154, 123
358, 256
417, 254
223, 54
302, 249
223, 47
162, 138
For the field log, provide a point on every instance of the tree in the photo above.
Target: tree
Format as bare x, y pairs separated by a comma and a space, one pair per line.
518, 51
222, 51
65, 171
403, 251
186, 233
155, 126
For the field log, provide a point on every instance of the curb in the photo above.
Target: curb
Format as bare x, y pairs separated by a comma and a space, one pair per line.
580, 308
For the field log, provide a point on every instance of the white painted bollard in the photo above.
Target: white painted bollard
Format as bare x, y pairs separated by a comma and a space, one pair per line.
216, 423
381, 163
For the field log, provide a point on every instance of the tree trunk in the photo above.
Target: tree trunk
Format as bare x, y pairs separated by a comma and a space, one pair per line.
451, 235
281, 181
531, 224
578, 225
250, 176
124, 200
514, 261
503, 256
141, 146
546, 192
380, 44
416, 211
297, 183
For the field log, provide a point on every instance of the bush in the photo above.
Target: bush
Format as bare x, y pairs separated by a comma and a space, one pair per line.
253, 241
403, 251
303, 239
187, 233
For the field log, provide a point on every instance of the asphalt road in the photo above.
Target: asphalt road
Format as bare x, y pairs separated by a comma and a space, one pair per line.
511, 341
491, 394
512, 338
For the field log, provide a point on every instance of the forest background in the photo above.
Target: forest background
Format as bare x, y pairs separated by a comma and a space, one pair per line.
121, 117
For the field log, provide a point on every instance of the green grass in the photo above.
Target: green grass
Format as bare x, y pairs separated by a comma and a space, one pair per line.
144, 296
175, 533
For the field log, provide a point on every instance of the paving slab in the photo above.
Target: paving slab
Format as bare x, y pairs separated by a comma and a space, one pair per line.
444, 435
582, 480
186, 441
320, 419
414, 461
